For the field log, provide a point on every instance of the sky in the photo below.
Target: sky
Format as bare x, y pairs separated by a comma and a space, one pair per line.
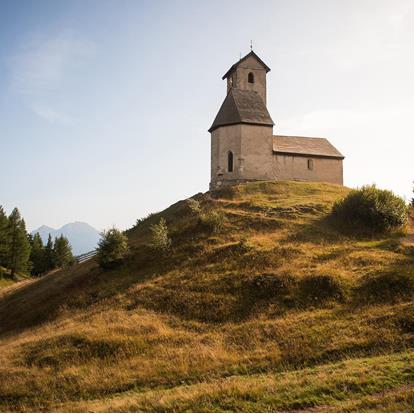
105, 104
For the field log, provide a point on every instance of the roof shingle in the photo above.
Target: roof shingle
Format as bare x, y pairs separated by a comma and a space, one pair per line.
242, 107
305, 146
234, 67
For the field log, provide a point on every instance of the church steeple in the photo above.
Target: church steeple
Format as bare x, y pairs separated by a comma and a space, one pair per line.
248, 74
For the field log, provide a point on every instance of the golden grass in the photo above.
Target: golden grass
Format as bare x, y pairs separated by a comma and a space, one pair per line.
192, 331
331, 387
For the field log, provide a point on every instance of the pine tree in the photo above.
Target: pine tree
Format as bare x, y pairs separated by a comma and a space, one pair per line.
412, 200
50, 260
63, 251
4, 237
37, 255
19, 247
112, 248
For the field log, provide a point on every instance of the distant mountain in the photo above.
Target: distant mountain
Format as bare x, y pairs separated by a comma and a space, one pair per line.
82, 237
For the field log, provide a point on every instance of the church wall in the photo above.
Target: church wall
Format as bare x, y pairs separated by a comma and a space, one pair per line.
239, 77
223, 140
291, 167
257, 152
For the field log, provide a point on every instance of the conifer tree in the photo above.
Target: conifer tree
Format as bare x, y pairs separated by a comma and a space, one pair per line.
4, 237
50, 261
19, 247
63, 251
112, 248
37, 255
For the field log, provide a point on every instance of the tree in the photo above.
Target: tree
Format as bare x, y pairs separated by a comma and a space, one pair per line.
412, 200
19, 247
63, 251
37, 255
160, 238
4, 237
112, 248
50, 260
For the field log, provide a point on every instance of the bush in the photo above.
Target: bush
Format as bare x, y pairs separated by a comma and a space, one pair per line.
213, 220
370, 209
112, 248
160, 238
194, 206
322, 288
386, 287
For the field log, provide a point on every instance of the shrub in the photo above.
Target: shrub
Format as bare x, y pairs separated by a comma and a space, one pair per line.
213, 220
386, 287
322, 288
112, 248
160, 238
370, 209
194, 206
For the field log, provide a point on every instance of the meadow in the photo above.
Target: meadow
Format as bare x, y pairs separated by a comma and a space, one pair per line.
268, 307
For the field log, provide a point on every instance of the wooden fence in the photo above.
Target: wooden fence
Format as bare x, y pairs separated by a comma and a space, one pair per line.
86, 256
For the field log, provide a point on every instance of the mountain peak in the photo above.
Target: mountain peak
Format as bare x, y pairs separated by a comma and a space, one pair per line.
82, 236
43, 228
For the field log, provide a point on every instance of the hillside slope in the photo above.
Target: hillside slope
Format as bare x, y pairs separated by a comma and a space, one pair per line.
276, 311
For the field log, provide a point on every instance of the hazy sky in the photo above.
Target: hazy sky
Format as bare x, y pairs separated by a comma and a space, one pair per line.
105, 105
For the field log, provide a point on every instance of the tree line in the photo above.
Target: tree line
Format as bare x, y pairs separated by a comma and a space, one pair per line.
21, 252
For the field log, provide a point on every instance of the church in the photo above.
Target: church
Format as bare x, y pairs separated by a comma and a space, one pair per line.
243, 147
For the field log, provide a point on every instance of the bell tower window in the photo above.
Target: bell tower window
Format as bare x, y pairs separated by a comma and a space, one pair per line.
230, 161
250, 77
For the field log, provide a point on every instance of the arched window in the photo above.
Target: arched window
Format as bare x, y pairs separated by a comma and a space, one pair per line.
230, 161
310, 164
250, 77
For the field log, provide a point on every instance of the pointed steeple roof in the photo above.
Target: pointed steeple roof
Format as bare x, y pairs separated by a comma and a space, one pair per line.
234, 67
242, 107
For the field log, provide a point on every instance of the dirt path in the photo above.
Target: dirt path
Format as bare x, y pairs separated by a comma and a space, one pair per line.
17, 285
20, 283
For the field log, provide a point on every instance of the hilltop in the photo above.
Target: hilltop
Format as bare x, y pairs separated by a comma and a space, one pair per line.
276, 311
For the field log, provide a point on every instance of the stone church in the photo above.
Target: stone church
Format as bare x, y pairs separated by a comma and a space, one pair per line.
243, 147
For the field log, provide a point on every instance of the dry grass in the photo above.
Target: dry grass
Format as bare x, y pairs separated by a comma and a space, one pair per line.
191, 330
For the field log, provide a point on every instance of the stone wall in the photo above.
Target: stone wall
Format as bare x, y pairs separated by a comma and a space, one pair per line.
257, 152
239, 78
251, 146
293, 167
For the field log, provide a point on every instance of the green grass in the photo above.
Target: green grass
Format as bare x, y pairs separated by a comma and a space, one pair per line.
276, 311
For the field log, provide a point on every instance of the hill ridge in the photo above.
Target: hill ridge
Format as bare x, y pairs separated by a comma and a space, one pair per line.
277, 291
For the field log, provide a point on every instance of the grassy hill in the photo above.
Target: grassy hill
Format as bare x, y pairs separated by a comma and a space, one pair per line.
276, 311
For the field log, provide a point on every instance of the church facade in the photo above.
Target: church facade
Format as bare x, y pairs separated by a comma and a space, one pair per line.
243, 147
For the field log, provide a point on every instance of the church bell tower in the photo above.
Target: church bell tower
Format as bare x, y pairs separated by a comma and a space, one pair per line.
241, 134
